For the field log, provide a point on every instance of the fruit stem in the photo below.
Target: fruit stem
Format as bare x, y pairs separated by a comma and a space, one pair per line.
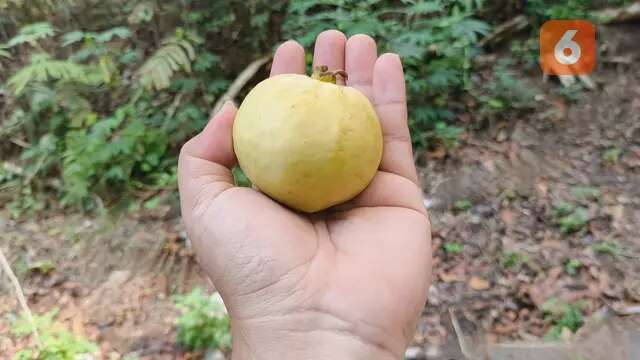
322, 73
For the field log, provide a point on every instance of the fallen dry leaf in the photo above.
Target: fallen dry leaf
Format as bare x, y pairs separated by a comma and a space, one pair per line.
542, 187
438, 153
449, 277
478, 284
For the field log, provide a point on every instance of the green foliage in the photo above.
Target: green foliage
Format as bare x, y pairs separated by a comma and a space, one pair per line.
562, 316
110, 152
608, 248
462, 205
446, 135
56, 343
4, 53
526, 51
203, 323
565, 10
611, 156
43, 68
31, 34
512, 260
42, 266
571, 93
571, 218
585, 193
454, 248
176, 54
571, 266
436, 40
239, 177
563, 209
105, 104
506, 91
102, 37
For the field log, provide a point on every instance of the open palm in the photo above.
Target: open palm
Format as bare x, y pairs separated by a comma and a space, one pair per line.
351, 278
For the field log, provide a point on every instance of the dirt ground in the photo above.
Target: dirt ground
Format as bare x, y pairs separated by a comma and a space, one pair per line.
496, 206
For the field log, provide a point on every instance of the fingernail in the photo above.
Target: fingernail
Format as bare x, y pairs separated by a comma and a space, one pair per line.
227, 104
225, 107
395, 57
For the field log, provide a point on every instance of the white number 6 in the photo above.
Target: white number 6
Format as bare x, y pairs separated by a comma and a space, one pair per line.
566, 43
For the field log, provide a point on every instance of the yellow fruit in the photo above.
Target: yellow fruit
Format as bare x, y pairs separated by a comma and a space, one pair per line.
306, 143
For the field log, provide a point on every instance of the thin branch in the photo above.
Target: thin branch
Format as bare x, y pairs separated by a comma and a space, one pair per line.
237, 85
624, 14
505, 30
20, 294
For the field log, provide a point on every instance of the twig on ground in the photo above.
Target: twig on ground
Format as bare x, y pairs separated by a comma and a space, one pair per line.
470, 338
20, 295
237, 85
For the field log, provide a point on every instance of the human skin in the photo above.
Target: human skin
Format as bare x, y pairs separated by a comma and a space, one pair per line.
346, 283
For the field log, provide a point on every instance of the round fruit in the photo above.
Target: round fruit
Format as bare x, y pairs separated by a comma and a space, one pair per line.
307, 142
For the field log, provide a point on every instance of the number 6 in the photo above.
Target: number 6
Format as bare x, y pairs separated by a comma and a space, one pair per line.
566, 43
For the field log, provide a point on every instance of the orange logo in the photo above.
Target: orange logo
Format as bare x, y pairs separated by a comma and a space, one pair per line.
567, 47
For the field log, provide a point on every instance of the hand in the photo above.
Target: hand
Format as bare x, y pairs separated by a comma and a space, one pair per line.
345, 283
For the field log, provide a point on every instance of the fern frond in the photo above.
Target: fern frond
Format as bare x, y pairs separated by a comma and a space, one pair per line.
102, 37
73, 37
118, 31
6, 3
30, 34
4, 52
44, 68
175, 55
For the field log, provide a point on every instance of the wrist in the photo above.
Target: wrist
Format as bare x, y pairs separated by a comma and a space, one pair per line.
309, 336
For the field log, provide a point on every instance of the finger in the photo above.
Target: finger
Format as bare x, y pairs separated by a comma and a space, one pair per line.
329, 51
360, 57
205, 162
390, 101
288, 59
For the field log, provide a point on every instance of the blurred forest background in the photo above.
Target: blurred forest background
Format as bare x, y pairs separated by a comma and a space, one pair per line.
97, 97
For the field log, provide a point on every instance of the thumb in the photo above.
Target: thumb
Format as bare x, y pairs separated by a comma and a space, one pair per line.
205, 162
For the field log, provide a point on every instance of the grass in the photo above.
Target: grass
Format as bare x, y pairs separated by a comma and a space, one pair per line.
561, 316
203, 323
571, 266
608, 248
454, 248
585, 193
611, 156
512, 260
462, 205
55, 342
570, 218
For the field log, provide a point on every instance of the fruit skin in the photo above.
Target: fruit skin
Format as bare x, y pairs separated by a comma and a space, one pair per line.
306, 143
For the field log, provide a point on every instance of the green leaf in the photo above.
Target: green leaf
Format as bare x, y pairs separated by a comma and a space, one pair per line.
463, 205
30, 34
108, 35
72, 37
608, 247
495, 103
425, 7
454, 248
175, 55
43, 68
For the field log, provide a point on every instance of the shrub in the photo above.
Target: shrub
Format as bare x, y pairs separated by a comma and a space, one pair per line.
104, 110
562, 316
203, 323
56, 343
